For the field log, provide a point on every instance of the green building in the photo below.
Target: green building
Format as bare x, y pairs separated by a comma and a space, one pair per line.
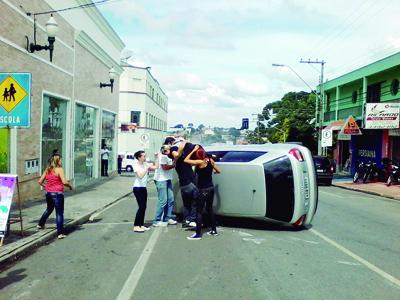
371, 95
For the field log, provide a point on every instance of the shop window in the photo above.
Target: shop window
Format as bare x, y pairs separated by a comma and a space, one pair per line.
374, 93
394, 87
54, 123
108, 136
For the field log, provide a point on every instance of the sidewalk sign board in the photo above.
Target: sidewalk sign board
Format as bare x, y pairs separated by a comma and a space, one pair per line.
350, 127
8, 183
15, 101
326, 138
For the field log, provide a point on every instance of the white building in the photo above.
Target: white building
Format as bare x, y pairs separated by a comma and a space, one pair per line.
143, 110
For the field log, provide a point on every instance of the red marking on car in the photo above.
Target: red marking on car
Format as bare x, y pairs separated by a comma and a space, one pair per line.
297, 154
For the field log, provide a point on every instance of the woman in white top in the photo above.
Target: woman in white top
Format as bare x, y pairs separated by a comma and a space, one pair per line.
141, 169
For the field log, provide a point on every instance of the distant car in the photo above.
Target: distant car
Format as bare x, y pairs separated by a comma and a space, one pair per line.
270, 181
127, 161
324, 168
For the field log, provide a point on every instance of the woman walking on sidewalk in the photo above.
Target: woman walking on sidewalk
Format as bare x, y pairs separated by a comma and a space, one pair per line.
53, 180
141, 169
204, 170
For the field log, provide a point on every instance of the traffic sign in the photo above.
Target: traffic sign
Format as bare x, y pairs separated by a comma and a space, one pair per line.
15, 101
350, 127
326, 140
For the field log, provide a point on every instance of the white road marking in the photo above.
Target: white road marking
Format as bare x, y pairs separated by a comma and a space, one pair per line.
241, 233
254, 240
306, 241
348, 263
130, 284
370, 266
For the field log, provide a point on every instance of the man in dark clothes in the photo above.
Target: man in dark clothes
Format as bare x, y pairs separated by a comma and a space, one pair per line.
186, 176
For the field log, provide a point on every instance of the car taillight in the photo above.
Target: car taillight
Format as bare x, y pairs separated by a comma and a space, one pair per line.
332, 169
297, 154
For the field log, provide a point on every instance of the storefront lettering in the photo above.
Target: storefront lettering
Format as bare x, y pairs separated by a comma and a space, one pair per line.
366, 153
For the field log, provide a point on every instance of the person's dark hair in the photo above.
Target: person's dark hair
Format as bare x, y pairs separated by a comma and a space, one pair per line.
169, 140
138, 154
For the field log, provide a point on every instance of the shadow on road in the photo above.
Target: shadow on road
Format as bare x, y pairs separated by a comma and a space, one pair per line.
12, 277
256, 224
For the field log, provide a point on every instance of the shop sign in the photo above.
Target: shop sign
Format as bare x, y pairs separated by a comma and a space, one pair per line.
7, 186
326, 137
350, 127
15, 101
382, 115
344, 137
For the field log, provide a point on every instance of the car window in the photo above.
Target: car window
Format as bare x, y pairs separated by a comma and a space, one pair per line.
235, 156
129, 156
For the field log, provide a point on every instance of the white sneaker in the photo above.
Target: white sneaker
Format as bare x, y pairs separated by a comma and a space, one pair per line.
172, 222
145, 228
160, 224
192, 224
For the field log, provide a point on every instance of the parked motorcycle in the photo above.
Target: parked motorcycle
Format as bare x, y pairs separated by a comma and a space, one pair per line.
361, 169
394, 175
372, 172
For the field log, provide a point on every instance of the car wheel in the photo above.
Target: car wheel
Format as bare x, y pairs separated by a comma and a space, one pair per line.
355, 178
389, 180
129, 169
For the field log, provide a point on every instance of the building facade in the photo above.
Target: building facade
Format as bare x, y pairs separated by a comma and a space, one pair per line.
143, 112
371, 95
69, 110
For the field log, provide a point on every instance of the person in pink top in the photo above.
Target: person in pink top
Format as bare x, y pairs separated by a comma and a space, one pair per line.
53, 180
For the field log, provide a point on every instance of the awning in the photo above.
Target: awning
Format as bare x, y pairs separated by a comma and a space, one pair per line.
336, 125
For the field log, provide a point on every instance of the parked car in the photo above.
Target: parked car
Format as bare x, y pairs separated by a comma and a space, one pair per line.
324, 168
270, 181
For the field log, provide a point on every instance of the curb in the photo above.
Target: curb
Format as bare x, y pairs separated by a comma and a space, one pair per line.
365, 192
39, 239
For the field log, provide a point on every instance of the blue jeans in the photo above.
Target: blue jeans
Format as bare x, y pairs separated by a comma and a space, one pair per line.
165, 200
54, 200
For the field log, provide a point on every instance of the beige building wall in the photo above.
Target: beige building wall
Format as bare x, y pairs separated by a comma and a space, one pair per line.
74, 74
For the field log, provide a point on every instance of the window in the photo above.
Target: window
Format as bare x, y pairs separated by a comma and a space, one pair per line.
394, 87
135, 117
235, 156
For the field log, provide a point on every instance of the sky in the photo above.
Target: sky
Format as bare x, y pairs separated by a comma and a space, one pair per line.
213, 58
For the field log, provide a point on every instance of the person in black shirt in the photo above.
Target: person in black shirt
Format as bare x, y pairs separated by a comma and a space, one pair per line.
204, 169
186, 176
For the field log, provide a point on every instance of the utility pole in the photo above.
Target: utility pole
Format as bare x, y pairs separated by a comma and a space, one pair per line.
258, 127
319, 109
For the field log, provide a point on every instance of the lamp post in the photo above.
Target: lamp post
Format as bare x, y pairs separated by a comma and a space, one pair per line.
317, 99
274, 127
112, 74
51, 29
258, 128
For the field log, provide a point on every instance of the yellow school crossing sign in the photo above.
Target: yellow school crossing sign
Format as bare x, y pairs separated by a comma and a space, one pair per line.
15, 99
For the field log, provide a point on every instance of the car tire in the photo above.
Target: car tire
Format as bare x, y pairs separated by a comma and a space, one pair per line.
355, 178
129, 169
389, 180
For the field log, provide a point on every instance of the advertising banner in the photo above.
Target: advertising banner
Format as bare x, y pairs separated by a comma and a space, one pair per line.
350, 127
326, 139
7, 186
15, 102
382, 115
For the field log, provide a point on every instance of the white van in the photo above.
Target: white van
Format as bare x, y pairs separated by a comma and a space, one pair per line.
128, 159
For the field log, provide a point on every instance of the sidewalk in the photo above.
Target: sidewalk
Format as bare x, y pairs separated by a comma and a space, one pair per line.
79, 205
374, 188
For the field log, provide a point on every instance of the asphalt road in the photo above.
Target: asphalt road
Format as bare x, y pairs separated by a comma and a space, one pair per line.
351, 252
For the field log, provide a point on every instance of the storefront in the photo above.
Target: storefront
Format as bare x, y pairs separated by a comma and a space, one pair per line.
394, 145
85, 166
366, 148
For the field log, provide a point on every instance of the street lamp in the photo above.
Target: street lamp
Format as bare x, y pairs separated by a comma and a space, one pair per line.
281, 130
112, 74
51, 29
291, 69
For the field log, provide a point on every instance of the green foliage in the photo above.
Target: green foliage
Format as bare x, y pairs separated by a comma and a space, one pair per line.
292, 114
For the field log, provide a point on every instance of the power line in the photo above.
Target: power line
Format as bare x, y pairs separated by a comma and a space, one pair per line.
87, 5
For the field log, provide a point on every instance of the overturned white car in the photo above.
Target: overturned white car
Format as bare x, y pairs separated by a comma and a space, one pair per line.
271, 181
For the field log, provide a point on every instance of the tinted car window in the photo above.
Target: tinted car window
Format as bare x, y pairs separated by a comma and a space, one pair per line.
321, 161
235, 156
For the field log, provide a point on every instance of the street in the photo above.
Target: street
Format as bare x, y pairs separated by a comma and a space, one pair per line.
351, 252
